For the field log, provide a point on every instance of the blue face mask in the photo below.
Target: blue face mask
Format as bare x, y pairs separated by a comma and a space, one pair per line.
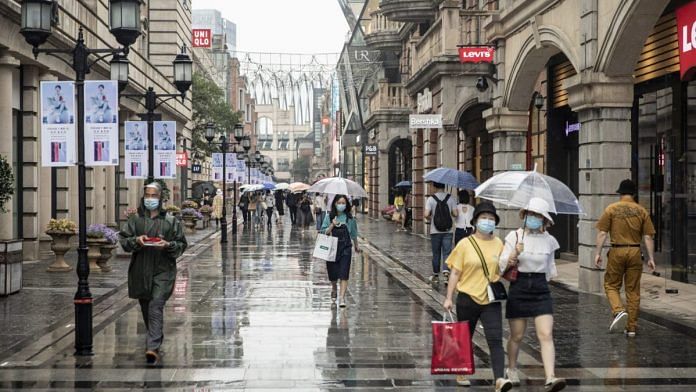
151, 204
533, 223
485, 225
340, 207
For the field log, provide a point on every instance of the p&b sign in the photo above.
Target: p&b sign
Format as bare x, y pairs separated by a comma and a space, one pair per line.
371, 149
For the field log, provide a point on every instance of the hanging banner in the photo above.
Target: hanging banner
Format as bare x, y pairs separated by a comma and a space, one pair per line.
136, 149
231, 166
241, 171
165, 149
58, 148
101, 123
216, 165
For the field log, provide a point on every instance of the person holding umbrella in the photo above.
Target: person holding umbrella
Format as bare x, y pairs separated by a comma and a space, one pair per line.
531, 249
339, 222
440, 208
279, 198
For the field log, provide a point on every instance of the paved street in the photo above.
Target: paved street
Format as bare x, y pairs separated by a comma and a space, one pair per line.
257, 315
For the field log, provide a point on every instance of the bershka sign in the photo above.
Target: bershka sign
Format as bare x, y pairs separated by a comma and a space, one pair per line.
476, 54
686, 29
202, 38
425, 121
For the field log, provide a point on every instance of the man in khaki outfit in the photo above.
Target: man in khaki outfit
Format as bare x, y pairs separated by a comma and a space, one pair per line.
627, 223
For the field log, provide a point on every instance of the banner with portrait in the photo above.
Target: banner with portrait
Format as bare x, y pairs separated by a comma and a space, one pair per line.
58, 132
216, 173
136, 149
165, 149
101, 123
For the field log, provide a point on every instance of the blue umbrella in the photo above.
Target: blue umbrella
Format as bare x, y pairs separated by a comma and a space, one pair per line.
268, 186
403, 184
452, 177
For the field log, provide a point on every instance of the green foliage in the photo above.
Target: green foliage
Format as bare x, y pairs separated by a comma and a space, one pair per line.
209, 106
7, 186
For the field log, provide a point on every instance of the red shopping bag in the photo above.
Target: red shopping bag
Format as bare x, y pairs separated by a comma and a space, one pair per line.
452, 348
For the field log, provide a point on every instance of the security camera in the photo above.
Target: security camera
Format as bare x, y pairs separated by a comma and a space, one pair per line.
481, 84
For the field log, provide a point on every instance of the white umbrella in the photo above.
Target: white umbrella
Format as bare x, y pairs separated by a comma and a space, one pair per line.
338, 186
517, 188
253, 188
282, 186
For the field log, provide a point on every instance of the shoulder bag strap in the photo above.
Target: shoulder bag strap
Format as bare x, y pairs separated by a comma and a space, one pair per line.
480, 255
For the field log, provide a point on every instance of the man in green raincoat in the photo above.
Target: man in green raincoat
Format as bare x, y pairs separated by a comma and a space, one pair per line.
155, 241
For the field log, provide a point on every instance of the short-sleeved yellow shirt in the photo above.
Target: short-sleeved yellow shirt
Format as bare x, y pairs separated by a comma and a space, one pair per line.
465, 259
626, 222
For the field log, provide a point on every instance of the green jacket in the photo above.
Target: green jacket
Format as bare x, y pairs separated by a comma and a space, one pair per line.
152, 271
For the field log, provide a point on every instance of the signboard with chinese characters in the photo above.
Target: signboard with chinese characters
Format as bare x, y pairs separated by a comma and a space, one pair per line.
58, 138
424, 101
202, 38
476, 54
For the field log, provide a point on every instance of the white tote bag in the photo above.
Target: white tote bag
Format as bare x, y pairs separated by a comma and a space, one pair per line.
325, 247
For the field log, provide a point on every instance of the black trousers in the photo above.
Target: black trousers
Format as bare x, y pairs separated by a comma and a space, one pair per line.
269, 214
293, 214
491, 317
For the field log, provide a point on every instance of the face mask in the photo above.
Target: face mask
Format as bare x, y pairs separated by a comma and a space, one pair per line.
485, 225
340, 207
533, 222
151, 204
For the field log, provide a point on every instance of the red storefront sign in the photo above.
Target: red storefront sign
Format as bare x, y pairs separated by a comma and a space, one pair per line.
182, 159
476, 54
326, 121
202, 38
686, 28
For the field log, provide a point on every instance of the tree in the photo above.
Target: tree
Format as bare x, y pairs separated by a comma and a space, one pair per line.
209, 106
7, 187
300, 169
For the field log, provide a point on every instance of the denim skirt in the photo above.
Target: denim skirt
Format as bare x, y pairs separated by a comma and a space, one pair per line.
529, 296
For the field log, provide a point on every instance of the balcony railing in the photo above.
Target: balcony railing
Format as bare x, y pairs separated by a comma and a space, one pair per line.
409, 10
388, 96
379, 23
382, 33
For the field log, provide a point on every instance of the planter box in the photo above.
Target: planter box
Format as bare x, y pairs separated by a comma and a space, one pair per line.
10, 267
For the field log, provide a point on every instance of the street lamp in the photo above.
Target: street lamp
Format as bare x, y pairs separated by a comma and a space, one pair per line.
118, 68
224, 144
182, 80
38, 18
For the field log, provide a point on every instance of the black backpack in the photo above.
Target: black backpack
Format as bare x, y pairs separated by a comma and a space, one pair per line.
442, 218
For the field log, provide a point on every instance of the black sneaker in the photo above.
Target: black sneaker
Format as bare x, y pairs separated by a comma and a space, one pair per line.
152, 357
555, 385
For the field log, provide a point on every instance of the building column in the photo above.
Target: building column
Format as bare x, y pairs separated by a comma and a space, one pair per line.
7, 66
604, 107
449, 148
508, 130
418, 191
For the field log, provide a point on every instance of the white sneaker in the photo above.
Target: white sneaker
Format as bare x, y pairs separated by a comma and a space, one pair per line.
503, 385
619, 323
463, 381
513, 376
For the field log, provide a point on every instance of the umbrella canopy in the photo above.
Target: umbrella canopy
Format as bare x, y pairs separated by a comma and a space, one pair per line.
269, 186
517, 188
403, 184
338, 186
253, 188
452, 177
298, 187
245, 186
281, 186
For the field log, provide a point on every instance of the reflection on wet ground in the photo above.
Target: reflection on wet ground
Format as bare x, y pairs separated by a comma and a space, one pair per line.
257, 314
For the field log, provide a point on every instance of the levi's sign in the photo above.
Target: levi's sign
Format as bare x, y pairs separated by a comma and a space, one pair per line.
425, 121
476, 54
686, 29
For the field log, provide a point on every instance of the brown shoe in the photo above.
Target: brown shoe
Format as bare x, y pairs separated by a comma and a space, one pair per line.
152, 357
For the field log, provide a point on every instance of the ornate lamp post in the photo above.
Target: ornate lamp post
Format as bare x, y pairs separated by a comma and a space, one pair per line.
224, 145
38, 18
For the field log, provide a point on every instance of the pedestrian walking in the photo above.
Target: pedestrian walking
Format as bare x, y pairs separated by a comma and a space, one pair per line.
217, 207
440, 208
465, 212
206, 200
627, 223
339, 222
155, 241
531, 249
279, 201
270, 205
470, 280
304, 213
319, 208
244, 206
399, 215
291, 201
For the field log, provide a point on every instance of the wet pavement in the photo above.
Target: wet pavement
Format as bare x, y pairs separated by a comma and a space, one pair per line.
257, 315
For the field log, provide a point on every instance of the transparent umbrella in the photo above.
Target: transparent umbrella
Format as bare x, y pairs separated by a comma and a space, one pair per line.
516, 188
338, 186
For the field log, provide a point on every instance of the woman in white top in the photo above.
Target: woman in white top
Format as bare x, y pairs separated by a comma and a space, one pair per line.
531, 249
269, 200
465, 214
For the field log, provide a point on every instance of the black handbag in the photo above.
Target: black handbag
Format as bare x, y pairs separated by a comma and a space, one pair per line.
496, 290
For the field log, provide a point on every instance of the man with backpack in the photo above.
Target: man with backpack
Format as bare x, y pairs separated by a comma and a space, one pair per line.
440, 208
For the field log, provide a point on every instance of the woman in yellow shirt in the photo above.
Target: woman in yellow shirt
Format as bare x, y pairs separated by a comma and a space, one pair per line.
471, 283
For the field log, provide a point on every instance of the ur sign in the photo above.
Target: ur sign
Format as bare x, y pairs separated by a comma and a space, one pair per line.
476, 54
686, 27
202, 38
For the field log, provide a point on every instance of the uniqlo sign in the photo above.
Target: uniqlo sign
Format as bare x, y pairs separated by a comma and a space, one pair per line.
686, 28
476, 54
181, 159
202, 38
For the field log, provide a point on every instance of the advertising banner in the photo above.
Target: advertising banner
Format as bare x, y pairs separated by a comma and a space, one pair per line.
241, 171
136, 149
686, 30
101, 123
216, 166
58, 132
165, 149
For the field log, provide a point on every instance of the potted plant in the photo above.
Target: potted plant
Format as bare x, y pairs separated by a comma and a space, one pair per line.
99, 235
10, 249
189, 204
190, 216
172, 210
60, 230
206, 211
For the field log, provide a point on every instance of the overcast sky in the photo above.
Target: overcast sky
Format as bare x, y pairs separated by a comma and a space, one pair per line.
285, 26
